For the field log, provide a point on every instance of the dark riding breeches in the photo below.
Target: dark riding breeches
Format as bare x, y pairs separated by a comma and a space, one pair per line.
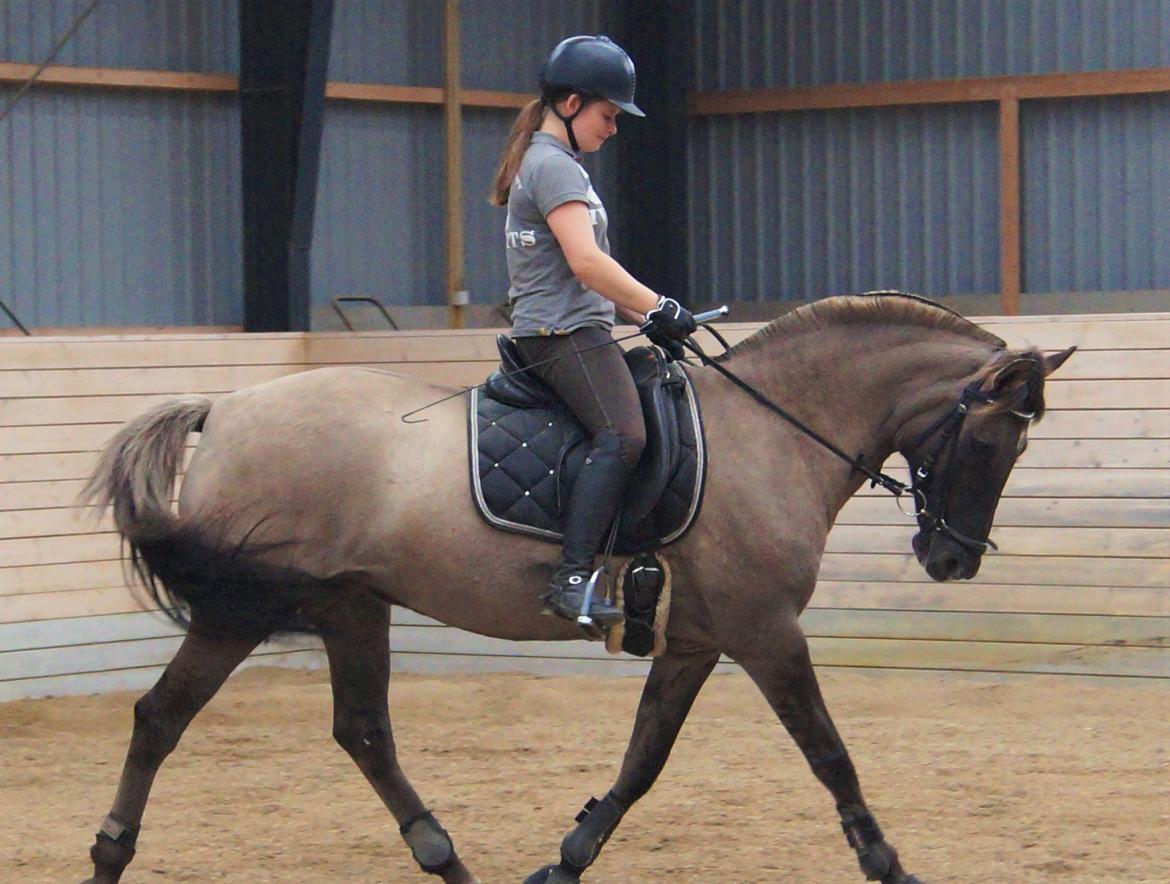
597, 387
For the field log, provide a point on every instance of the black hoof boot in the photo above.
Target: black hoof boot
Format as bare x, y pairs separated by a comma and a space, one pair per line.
553, 875
567, 598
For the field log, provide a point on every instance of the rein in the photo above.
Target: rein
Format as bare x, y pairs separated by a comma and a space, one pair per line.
930, 496
889, 483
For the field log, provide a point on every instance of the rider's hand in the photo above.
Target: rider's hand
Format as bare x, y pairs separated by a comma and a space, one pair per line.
670, 319
674, 349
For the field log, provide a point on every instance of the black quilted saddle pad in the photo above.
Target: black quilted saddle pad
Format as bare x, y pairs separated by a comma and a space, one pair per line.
524, 461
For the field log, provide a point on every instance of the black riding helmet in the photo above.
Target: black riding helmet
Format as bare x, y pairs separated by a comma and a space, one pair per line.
593, 67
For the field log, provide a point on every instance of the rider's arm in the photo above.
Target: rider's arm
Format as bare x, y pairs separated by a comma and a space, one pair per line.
573, 229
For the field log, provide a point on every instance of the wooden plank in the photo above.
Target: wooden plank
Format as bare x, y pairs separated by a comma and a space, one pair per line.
64, 632
1145, 423
122, 381
67, 603
59, 577
53, 550
62, 437
39, 353
975, 596
998, 626
1080, 453
1000, 570
142, 677
19, 469
915, 92
1121, 363
1146, 393
74, 410
450, 664
392, 347
51, 522
1066, 512
121, 78
992, 657
1145, 543
1106, 333
1114, 483
26, 496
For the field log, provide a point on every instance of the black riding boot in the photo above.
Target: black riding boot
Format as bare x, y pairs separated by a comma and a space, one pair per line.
593, 504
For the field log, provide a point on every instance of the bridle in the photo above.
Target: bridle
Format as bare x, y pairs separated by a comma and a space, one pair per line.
929, 486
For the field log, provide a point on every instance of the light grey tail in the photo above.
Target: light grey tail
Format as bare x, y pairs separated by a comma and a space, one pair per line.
137, 470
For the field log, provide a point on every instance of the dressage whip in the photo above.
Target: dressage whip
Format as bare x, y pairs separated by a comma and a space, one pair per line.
700, 318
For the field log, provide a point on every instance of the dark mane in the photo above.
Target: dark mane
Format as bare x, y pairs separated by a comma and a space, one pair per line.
872, 308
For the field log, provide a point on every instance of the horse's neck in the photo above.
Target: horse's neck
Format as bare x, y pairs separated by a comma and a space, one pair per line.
861, 387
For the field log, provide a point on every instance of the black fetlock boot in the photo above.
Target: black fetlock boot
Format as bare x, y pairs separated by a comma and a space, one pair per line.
594, 501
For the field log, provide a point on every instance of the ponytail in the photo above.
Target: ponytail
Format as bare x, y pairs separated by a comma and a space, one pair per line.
527, 122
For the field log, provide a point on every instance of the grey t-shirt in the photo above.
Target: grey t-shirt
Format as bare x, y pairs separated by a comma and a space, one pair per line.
546, 297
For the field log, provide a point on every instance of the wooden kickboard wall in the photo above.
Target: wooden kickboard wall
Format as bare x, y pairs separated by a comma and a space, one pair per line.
1081, 583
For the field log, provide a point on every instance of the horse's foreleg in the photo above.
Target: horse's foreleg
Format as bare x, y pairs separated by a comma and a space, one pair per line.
192, 678
667, 696
356, 635
784, 673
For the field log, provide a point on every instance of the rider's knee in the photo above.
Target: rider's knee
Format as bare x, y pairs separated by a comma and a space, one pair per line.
625, 441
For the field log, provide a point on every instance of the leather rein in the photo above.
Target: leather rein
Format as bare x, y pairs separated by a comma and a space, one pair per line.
929, 496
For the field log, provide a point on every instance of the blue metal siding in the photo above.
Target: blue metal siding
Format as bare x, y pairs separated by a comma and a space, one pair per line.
800, 205
121, 209
168, 35
1096, 201
809, 204
399, 42
781, 43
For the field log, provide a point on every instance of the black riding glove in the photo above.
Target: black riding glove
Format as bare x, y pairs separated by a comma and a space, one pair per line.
674, 349
670, 319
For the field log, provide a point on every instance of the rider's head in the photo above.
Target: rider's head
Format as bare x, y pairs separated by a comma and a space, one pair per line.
593, 69
586, 80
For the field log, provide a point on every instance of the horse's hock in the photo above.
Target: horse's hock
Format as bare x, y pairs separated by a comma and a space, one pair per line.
1081, 584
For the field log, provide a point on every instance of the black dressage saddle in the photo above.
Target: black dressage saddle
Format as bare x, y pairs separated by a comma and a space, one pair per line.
526, 449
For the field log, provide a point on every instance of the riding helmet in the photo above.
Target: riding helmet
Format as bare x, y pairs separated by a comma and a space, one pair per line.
591, 67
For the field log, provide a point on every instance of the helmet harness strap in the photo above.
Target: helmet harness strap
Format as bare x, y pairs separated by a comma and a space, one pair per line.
567, 120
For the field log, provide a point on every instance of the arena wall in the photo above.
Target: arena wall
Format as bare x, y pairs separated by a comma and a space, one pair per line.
1081, 584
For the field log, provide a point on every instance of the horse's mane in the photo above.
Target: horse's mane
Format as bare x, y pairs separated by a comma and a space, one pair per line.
872, 308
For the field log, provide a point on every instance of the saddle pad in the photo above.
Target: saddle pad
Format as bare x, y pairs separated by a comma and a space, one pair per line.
524, 461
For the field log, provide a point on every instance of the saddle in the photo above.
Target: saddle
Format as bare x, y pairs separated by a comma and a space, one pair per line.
526, 449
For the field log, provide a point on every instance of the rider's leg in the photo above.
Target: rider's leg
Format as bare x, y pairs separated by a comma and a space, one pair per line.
593, 381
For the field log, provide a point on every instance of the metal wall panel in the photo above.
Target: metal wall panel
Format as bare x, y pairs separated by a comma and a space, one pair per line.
800, 205
810, 204
121, 209
778, 43
169, 35
1096, 201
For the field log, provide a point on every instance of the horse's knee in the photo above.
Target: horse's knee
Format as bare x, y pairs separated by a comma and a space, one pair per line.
363, 734
158, 725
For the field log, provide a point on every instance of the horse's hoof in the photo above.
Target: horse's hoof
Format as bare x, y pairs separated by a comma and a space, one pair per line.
553, 875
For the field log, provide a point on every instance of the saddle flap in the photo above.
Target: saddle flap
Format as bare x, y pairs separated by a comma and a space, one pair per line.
513, 384
653, 377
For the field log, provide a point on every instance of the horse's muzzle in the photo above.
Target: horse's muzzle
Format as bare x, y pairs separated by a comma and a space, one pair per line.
944, 558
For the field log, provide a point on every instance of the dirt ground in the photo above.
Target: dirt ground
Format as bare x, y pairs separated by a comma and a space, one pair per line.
974, 779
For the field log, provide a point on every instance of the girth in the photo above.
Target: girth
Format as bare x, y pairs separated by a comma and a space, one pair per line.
526, 449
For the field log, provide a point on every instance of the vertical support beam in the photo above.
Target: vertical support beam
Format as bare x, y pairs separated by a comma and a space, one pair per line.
284, 59
457, 295
1009, 205
652, 219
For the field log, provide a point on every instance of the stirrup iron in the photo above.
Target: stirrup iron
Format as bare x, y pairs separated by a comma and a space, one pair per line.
584, 618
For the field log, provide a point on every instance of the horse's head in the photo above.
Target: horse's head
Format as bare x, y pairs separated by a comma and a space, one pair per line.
961, 462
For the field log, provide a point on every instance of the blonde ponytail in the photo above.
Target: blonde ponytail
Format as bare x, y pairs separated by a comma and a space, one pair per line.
527, 122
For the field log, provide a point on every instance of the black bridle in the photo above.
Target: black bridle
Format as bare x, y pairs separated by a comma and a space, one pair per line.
928, 487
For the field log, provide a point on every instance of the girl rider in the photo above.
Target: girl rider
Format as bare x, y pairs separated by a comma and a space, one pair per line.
565, 289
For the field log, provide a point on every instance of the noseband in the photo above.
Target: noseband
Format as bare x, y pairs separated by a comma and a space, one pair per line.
929, 487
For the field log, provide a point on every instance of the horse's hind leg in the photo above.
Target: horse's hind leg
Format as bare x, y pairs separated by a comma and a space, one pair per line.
192, 678
778, 662
667, 696
356, 635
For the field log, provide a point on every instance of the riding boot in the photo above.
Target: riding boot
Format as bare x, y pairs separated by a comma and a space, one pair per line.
593, 503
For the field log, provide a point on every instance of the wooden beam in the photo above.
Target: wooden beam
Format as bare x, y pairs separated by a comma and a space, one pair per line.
188, 81
1010, 277
855, 95
453, 113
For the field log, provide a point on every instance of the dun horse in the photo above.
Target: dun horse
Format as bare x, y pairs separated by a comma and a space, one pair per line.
310, 504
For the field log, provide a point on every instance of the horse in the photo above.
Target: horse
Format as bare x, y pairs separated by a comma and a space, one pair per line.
310, 505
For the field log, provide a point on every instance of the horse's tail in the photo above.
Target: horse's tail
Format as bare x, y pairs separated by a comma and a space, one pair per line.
189, 570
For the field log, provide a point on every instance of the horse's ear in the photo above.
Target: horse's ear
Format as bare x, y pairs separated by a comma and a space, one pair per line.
1056, 360
1011, 374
